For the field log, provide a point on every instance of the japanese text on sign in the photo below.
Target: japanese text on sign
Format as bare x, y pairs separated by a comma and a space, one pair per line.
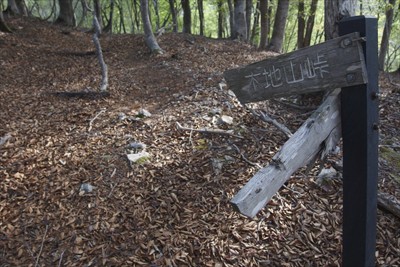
290, 73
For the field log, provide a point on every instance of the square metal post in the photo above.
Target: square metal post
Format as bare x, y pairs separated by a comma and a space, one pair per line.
360, 152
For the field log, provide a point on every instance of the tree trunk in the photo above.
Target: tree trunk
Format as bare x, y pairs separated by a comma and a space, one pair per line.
187, 17
3, 25
157, 12
121, 17
173, 13
220, 19
231, 18
301, 24
151, 41
310, 23
137, 14
22, 7
335, 10
97, 13
66, 16
109, 26
12, 8
264, 24
201, 16
256, 23
249, 11
386, 34
278, 32
240, 27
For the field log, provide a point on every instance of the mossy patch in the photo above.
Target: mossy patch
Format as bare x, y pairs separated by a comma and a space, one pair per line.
393, 159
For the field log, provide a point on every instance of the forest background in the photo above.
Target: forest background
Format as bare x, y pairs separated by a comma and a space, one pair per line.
296, 23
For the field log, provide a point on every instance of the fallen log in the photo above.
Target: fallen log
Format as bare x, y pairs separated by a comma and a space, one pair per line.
319, 132
389, 203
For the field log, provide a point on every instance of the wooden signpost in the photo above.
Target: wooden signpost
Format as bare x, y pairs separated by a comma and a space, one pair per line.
336, 63
349, 62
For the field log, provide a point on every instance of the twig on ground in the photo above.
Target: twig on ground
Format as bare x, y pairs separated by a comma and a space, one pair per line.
41, 246
245, 159
95, 117
116, 183
191, 138
292, 190
266, 118
60, 260
207, 130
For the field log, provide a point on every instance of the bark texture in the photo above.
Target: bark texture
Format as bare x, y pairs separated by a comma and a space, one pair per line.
187, 17
386, 35
66, 16
201, 16
3, 25
278, 32
240, 27
172, 9
335, 10
263, 24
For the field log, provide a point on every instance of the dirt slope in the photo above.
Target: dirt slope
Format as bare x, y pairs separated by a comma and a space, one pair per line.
172, 210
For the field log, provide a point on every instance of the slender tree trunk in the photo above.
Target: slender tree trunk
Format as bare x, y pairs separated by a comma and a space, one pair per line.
109, 26
249, 11
220, 19
256, 23
201, 16
240, 27
156, 10
66, 16
231, 18
386, 35
173, 13
278, 32
301, 24
137, 14
310, 23
150, 39
122, 27
264, 24
187, 17
97, 12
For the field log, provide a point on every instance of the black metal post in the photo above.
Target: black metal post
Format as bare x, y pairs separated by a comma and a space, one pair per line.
360, 149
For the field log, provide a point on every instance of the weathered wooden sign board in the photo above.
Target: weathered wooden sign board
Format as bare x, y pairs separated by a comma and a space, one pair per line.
336, 63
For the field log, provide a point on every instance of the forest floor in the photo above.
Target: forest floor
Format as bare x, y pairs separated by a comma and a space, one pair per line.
172, 209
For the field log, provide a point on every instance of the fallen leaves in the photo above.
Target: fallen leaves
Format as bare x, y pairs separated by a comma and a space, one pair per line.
172, 210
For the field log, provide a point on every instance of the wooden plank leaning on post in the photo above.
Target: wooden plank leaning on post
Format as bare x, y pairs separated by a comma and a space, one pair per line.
297, 152
336, 63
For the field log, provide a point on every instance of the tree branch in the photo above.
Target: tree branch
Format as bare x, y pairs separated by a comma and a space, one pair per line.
207, 130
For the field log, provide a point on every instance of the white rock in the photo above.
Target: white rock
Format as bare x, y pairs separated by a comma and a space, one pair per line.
138, 156
224, 119
144, 113
86, 188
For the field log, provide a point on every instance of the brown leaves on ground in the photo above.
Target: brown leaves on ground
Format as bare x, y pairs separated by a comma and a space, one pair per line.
173, 209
